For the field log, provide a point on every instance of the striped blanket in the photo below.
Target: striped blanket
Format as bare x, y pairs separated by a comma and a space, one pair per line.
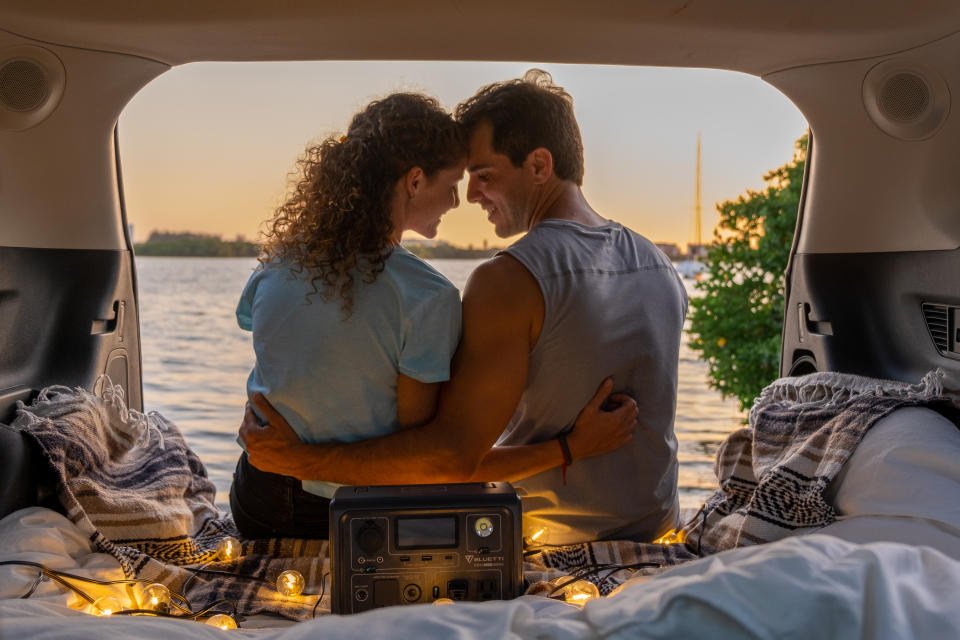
142, 495
772, 475
131, 483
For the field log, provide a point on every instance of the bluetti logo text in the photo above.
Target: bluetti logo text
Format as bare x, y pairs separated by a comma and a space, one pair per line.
469, 557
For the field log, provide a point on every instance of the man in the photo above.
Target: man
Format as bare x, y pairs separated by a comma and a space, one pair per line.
578, 298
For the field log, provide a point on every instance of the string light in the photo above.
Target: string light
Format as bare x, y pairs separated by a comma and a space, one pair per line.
222, 621
105, 606
576, 590
156, 597
442, 601
109, 605
290, 583
228, 548
675, 536
536, 534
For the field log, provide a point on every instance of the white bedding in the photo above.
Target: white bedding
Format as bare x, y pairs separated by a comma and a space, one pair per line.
814, 586
902, 484
900, 487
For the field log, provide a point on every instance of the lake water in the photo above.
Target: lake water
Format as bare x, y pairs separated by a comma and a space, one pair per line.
196, 361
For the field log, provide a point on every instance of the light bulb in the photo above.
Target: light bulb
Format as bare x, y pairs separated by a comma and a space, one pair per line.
156, 597
105, 606
222, 621
290, 583
443, 601
675, 536
576, 591
228, 548
537, 534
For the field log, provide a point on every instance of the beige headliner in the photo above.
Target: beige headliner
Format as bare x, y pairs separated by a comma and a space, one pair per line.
754, 36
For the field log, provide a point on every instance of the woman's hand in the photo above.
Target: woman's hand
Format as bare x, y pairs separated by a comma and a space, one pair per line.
599, 431
271, 447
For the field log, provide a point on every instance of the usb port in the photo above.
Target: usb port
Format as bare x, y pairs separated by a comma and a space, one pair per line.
426, 558
457, 589
404, 558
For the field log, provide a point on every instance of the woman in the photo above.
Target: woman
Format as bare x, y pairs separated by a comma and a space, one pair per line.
353, 334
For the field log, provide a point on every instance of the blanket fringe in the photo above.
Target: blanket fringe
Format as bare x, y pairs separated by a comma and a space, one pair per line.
829, 389
134, 423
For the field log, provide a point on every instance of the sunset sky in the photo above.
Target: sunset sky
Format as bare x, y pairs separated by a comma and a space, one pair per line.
208, 147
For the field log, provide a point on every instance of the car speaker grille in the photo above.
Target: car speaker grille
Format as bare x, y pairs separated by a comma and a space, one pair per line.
23, 85
938, 323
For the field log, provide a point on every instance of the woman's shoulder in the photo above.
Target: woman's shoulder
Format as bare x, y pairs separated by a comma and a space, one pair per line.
416, 282
408, 269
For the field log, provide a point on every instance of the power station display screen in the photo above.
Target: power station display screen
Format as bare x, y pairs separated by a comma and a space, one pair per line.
413, 533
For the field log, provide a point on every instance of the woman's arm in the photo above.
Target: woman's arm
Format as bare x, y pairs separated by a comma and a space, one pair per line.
416, 401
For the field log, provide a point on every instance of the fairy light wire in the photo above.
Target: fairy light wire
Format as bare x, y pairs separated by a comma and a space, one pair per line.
62, 577
584, 573
177, 600
323, 591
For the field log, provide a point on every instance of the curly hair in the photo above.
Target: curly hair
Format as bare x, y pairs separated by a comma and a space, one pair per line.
335, 225
528, 113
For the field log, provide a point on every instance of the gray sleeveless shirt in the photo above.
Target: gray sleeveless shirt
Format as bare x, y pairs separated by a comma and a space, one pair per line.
614, 305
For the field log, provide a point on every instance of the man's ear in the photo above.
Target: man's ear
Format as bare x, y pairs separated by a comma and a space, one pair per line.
414, 181
540, 162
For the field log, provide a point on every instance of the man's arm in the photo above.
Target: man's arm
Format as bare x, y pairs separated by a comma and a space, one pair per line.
502, 309
596, 431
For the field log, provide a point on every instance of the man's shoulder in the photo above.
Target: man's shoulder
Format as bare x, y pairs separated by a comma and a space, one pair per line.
556, 245
500, 279
498, 270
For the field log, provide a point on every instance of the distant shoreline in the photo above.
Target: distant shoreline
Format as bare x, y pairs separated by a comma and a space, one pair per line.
465, 254
194, 245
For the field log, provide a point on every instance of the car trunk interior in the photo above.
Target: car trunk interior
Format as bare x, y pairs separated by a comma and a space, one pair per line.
873, 285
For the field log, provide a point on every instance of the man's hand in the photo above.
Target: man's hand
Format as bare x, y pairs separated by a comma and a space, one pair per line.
271, 447
598, 431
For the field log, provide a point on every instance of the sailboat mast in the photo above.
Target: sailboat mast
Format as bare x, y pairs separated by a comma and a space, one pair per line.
697, 225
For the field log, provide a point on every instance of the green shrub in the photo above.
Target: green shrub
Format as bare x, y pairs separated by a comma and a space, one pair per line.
736, 323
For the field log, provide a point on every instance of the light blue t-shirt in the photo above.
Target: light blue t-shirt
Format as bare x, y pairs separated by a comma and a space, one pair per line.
335, 379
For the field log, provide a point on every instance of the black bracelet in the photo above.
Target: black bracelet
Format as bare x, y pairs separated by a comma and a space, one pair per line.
567, 457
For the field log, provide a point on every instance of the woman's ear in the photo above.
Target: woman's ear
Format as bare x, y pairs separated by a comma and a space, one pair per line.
414, 181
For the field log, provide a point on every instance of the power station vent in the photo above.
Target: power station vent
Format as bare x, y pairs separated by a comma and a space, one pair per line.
906, 100
938, 324
23, 85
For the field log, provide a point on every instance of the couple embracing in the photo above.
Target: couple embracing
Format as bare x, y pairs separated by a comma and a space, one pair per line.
370, 370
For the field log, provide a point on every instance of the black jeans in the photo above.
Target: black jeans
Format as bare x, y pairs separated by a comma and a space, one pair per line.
268, 505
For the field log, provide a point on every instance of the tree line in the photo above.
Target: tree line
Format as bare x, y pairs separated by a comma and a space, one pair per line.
185, 244
164, 243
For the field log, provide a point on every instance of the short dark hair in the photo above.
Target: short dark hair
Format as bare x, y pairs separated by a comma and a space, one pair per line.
528, 113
